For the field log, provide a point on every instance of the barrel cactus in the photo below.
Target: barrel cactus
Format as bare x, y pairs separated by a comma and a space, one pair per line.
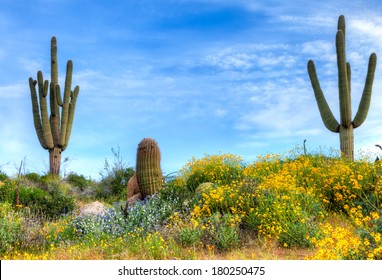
148, 169
346, 125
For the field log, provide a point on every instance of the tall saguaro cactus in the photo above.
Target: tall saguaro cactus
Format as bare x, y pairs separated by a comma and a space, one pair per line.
346, 125
53, 131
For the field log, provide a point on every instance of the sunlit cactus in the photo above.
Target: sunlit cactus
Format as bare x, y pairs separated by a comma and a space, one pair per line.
148, 169
53, 131
346, 125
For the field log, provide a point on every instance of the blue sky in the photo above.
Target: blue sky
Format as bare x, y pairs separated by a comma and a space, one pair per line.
199, 76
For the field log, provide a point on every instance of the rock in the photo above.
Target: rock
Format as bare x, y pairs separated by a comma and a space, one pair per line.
94, 208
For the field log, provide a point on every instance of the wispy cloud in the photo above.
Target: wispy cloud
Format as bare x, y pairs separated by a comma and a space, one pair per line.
198, 75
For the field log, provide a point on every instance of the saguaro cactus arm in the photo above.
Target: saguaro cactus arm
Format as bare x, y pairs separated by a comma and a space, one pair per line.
36, 113
65, 105
326, 114
72, 107
364, 104
40, 111
43, 92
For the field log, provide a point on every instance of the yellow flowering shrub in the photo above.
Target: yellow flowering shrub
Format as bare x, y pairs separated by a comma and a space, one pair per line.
235, 199
219, 169
285, 208
338, 243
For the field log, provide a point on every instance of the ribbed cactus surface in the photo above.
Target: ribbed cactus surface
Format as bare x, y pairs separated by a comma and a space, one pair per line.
148, 169
346, 125
53, 131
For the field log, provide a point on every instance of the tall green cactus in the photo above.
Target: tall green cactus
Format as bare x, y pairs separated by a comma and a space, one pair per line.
346, 126
53, 131
148, 170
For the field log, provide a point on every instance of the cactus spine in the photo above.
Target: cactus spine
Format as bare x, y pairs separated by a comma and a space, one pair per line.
346, 126
53, 131
148, 170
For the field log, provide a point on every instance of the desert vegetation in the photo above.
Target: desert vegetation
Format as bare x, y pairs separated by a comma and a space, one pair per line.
292, 206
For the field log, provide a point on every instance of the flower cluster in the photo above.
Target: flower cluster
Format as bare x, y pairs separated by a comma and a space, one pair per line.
219, 169
338, 243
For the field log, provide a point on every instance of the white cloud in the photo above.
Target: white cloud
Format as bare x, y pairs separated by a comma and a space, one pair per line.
308, 21
220, 113
278, 107
324, 50
371, 28
13, 91
230, 60
249, 57
31, 66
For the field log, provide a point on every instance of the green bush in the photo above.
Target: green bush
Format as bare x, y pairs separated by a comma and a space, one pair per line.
78, 181
31, 196
9, 227
50, 204
7, 189
114, 184
178, 195
114, 178
219, 169
3, 176
222, 230
33, 177
20, 229
190, 236
8, 234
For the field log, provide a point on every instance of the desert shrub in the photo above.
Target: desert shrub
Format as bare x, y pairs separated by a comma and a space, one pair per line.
3, 176
222, 231
151, 214
52, 201
263, 166
114, 178
78, 181
178, 195
236, 199
19, 228
220, 169
7, 189
338, 243
114, 184
143, 217
288, 216
33, 197
58, 205
295, 194
190, 236
9, 227
287, 207
120, 179
52, 205
33, 177
112, 223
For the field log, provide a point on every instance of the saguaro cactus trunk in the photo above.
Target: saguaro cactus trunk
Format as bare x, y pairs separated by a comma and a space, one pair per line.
346, 125
53, 131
